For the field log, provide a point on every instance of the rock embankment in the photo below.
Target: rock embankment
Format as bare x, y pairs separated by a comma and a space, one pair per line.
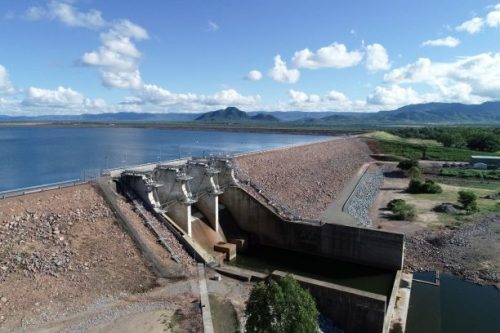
470, 251
361, 200
60, 250
300, 182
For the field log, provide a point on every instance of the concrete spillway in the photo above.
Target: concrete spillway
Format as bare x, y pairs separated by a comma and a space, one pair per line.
192, 193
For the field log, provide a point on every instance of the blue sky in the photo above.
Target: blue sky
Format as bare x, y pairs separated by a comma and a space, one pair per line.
89, 56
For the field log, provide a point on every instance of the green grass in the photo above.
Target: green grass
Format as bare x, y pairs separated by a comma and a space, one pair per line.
414, 151
385, 136
486, 206
469, 182
471, 173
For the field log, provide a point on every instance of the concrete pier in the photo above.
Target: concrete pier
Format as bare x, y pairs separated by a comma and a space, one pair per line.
206, 187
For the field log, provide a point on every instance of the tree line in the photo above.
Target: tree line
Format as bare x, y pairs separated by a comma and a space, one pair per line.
480, 139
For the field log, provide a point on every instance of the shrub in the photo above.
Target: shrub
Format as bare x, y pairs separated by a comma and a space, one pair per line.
402, 210
394, 202
414, 186
428, 186
415, 173
281, 306
468, 200
407, 164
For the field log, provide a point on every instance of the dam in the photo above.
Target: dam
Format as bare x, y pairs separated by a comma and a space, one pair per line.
224, 222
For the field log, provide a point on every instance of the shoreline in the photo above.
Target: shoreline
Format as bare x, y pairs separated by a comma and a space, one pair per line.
216, 127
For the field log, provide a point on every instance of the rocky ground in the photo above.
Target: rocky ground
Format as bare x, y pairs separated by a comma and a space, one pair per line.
361, 200
60, 250
302, 181
472, 251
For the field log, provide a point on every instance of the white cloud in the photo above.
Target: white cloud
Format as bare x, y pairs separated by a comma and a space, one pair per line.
229, 97
332, 101
117, 57
152, 94
67, 14
60, 98
493, 17
5, 84
447, 41
212, 26
281, 73
472, 26
377, 58
333, 56
393, 96
253, 75
467, 79
336, 96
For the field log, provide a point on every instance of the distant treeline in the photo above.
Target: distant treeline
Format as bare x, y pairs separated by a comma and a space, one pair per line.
480, 139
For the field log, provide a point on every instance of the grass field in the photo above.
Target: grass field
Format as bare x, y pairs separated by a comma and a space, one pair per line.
420, 149
469, 182
385, 136
471, 173
450, 194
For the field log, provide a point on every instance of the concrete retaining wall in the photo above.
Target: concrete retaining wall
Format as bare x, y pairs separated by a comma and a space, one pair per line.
352, 310
358, 245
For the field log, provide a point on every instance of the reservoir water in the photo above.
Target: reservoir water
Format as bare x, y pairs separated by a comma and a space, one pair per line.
456, 306
31, 156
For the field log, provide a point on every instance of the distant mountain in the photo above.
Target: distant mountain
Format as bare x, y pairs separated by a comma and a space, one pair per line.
109, 117
296, 115
233, 114
444, 113
429, 113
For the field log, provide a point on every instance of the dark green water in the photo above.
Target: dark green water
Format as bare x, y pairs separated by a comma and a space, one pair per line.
456, 306
267, 259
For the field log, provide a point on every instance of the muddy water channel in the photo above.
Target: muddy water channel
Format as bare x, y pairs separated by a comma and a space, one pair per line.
455, 306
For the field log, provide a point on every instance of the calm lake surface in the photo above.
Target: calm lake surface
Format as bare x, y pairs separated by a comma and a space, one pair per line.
456, 306
37, 156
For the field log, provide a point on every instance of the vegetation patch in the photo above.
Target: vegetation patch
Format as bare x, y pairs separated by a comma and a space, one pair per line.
470, 173
428, 186
402, 210
478, 139
281, 306
468, 200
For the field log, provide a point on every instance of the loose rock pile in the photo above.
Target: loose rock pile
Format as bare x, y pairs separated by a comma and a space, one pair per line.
37, 242
360, 201
62, 249
470, 252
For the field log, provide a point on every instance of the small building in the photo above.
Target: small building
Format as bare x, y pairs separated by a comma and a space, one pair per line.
491, 162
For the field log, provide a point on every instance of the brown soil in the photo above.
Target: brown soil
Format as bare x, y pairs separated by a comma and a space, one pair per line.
303, 181
61, 250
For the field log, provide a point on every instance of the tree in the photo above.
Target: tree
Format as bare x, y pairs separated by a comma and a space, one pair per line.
281, 306
483, 141
402, 210
428, 186
415, 172
468, 200
407, 164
